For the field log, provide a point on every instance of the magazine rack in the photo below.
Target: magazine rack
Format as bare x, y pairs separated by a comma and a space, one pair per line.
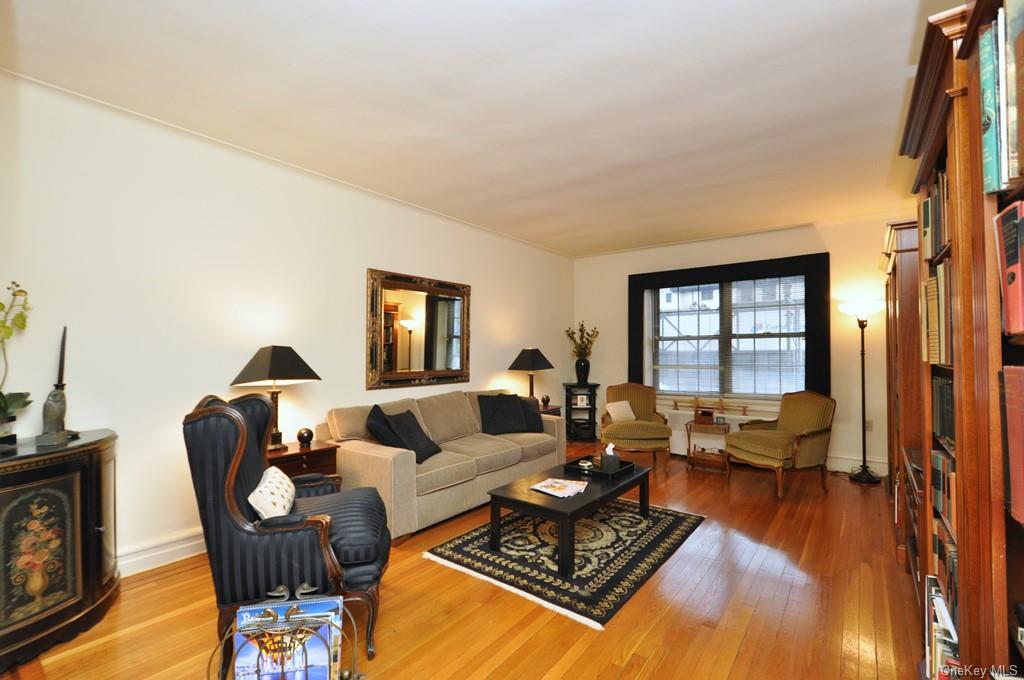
282, 637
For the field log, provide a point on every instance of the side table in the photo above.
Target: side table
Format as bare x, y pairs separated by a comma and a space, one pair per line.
550, 410
317, 457
707, 458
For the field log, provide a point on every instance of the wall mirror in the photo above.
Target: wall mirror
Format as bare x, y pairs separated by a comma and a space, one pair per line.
417, 330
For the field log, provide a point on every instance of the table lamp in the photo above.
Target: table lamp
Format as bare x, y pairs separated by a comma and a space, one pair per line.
410, 325
530, 359
862, 309
275, 366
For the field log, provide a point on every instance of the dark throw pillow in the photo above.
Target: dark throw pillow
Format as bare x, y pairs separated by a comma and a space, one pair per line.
412, 435
501, 413
380, 427
531, 415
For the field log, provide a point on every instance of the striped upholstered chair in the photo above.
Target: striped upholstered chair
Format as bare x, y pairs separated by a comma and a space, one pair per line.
797, 439
649, 433
337, 542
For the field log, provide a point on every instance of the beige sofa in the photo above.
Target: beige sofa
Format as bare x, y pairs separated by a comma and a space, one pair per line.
457, 479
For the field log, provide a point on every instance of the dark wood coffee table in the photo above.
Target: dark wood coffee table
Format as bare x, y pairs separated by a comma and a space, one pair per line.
565, 511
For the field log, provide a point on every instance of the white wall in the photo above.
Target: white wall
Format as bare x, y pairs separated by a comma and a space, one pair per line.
172, 259
854, 248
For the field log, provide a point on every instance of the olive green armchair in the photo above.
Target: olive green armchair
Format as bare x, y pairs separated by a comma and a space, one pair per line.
649, 433
797, 439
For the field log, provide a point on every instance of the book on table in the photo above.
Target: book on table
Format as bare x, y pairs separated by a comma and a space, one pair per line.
560, 488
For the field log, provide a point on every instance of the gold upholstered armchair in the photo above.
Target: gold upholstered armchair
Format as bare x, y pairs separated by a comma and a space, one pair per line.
649, 432
797, 439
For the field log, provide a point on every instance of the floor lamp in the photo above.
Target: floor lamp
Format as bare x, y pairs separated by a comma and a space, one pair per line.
410, 325
862, 310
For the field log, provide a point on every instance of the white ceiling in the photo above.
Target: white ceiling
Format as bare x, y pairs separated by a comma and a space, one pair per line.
583, 126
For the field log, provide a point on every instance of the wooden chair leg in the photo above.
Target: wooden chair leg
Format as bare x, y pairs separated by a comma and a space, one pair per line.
728, 467
778, 482
824, 474
371, 598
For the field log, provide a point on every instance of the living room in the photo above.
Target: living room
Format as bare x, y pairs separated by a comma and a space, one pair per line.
183, 185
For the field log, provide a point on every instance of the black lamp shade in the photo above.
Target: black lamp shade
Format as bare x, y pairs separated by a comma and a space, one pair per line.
275, 365
530, 359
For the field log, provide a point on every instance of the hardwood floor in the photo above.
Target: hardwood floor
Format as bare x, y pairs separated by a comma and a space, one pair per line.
806, 587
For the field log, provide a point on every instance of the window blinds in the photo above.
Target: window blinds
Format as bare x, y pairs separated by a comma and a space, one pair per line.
729, 338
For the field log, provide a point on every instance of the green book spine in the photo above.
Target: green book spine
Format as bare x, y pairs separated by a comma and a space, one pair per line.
989, 114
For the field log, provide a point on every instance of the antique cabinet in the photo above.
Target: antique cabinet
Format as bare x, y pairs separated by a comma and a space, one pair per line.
58, 559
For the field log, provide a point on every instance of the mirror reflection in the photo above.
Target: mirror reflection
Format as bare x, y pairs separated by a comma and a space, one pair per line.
422, 332
417, 330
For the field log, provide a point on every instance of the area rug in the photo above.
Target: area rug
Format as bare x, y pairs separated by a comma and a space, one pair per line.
617, 550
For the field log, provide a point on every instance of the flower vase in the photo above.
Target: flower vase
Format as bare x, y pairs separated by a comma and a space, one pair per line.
35, 584
582, 370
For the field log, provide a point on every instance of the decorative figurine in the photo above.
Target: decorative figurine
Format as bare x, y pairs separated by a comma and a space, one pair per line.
56, 406
305, 437
545, 400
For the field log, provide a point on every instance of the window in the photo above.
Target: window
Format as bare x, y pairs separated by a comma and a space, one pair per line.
749, 329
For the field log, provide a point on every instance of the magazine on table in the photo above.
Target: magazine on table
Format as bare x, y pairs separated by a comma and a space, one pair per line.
561, 488
281, 639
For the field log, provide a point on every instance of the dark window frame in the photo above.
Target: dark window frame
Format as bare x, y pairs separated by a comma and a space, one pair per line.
818, 306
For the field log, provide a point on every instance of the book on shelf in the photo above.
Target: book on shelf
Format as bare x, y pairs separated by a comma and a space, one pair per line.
989, 109
560, 488
931, 319
1013, 416
941, 642
943, 418
944, 318
1008, 240
925, 219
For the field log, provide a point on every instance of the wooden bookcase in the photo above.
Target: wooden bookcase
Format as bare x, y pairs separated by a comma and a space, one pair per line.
943, 132
903, 330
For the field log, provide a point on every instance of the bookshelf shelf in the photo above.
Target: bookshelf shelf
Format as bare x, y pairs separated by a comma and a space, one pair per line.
963, 458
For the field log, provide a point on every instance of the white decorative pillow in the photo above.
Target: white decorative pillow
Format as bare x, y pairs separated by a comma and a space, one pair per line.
620, 411
274, 495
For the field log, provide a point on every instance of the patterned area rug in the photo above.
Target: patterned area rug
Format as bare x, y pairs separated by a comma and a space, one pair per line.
617, 550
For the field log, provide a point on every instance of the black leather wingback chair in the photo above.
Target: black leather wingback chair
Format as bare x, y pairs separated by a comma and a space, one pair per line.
336, 541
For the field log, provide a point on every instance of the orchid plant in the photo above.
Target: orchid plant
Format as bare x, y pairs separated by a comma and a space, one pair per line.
13, 320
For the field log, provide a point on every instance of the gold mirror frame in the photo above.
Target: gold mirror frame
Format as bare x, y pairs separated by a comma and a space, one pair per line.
376, 281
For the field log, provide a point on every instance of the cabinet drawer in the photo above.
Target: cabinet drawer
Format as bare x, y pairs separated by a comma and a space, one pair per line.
307, 463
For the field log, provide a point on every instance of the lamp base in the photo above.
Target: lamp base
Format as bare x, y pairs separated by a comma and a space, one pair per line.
864, 475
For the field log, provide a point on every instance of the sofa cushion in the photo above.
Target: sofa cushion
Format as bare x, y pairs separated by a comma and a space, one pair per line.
487, 451
531, 415
443, 470
474, 402
380, 428
637, 429
349, 422
768, 443
448, 416
533, 444
500, 413
411, 434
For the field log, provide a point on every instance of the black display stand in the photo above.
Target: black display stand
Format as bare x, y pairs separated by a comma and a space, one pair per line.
581, 411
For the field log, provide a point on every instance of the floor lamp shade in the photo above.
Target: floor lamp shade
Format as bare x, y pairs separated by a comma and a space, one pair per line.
530, 359
274, 366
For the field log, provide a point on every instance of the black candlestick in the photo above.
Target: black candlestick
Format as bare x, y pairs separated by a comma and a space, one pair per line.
864, 475
60, 366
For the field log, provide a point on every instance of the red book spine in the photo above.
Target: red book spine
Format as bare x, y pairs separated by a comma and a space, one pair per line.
1013, 386
1008, 241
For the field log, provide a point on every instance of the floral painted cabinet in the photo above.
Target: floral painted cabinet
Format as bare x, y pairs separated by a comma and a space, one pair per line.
58, 565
